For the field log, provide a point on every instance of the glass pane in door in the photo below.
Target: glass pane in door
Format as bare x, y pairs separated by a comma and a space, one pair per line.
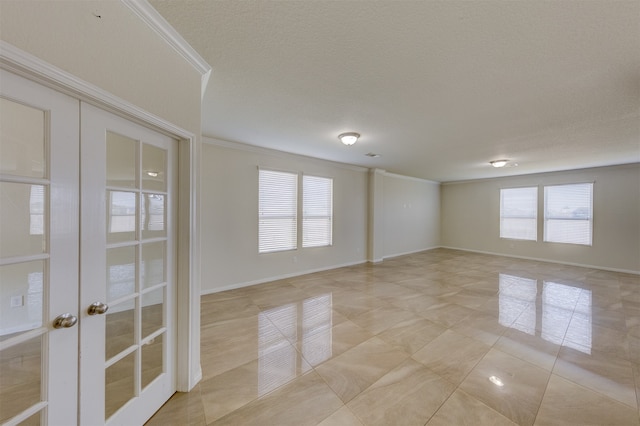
152, 364
120, 331
120, 381
152, 311
22, 213
136, 261
24, 192
121, 272
22, 141
154, 216
121, 216
154, 168
153, 267
21, 292
34, 420
21, 373
122, 160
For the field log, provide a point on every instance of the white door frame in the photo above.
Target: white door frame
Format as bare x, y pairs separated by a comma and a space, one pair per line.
188, 369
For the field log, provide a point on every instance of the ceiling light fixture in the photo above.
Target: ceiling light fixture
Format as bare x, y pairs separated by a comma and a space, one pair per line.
498, 163
349, 138
151, 173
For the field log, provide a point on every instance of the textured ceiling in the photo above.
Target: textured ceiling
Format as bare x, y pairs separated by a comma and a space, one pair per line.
437, 88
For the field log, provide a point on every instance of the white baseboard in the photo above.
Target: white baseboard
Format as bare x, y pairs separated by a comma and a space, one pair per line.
311, 271
276, 278
538, 259
391, 256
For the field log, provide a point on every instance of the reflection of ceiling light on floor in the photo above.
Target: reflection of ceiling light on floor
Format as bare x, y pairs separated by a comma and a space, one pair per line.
496, 381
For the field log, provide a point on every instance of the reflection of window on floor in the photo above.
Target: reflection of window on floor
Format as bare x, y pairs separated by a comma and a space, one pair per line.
558, 302
279, 362
562, 315
579, 335
277, 359
518, 302
316, 329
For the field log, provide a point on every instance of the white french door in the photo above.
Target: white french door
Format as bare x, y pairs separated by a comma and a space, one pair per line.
87, 262
39, 198
127, 267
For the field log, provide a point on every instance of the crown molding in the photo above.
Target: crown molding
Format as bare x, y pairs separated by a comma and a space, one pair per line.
29, 66
276, 153
395, 175
155, 21
528, 177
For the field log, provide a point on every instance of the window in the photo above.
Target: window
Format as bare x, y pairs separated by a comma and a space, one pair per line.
277, 211
568, 213
317, 211
519, 213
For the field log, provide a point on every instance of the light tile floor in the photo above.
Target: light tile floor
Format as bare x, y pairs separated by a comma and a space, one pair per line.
441, 337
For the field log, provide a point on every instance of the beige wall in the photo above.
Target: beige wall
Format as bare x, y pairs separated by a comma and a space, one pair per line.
230, 256
117, 52
470, 218
411, 210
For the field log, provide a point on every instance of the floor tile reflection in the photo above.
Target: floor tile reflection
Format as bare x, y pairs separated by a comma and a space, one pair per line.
439, 337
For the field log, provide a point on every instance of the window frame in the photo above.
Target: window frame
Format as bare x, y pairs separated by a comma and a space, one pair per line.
264, 247
588, 219
305, 216
534, 218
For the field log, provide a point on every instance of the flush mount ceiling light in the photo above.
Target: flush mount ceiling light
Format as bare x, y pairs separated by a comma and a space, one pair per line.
349, 138
498, 163
151, 173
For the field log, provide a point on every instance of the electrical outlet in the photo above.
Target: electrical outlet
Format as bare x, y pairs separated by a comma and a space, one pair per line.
17, 301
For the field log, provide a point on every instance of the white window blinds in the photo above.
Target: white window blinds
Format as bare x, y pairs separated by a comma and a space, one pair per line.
568, 213
317, 208
277, 211
519, 213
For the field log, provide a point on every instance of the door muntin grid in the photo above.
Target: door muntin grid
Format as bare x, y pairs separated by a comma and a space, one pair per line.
137, 239
24, 260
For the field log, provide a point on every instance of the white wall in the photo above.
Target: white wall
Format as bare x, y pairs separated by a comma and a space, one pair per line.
411, 214
470, 218
230, 256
